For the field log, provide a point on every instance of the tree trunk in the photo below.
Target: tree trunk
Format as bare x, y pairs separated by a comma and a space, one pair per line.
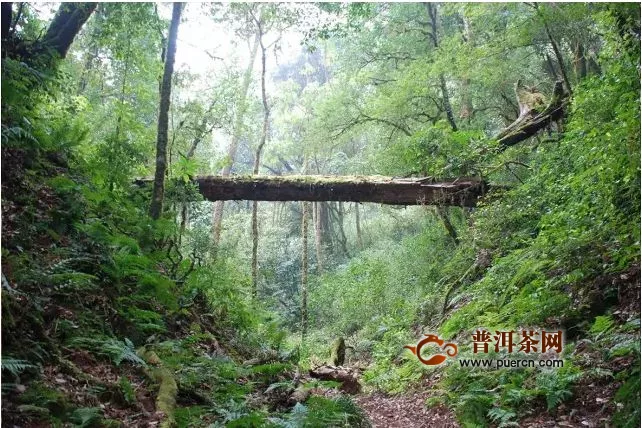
556, 49
466, 110
528, 125
7, 17
348, 378
551, 67
443, 214
257, 163
66, 24
432, 16
304, 271
579, 62
446, 100
358, 225
217, 218
158, 192
342, 233
318, 237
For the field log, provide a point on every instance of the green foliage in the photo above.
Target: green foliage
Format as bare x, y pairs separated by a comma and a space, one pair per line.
320, 411
628, 415
502, 417
127, 390
555, 385
85, 417
602, 324
189, 416
15, 366
440, 152
559, 229
40, 395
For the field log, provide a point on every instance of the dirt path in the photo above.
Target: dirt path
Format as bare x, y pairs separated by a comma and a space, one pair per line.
404, 411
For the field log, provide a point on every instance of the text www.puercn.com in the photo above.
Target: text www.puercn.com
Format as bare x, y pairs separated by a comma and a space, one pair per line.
510, 363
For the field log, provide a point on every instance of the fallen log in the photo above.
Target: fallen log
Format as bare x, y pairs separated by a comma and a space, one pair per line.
167, 387
463, 191
348, 377
529, 124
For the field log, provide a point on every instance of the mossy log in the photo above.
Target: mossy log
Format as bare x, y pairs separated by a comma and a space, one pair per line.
167, 390
348, 378
462, 191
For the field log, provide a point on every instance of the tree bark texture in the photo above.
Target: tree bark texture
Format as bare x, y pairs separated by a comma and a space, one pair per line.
347, 376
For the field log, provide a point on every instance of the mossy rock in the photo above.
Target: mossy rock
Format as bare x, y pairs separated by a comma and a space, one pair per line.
39, 395
35, 411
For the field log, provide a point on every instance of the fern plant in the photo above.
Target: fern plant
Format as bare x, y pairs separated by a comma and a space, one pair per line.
115, 350
15, 366
85, 417
555, 385
502, 417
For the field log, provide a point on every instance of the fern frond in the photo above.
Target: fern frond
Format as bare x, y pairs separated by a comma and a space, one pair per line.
15, 366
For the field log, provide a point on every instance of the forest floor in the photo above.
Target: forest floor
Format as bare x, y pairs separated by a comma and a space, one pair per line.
404, 411
592, 405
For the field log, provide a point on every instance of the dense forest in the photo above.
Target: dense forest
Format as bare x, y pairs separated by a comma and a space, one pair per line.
320, 214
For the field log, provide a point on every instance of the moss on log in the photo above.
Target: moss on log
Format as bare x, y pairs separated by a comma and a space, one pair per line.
167, 389
384, 190
348, 377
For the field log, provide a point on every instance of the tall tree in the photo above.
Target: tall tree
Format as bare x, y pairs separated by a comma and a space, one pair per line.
66, 24
466, 110
158, 192
58, 38
217, 217
358, 225
257, 156
317, 218
555, 46
304, 270
434, 36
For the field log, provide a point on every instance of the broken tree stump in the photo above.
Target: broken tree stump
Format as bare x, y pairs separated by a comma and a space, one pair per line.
532, 121
338, 352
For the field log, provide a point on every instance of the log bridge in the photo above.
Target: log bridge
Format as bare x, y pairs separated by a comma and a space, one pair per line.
463, 191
